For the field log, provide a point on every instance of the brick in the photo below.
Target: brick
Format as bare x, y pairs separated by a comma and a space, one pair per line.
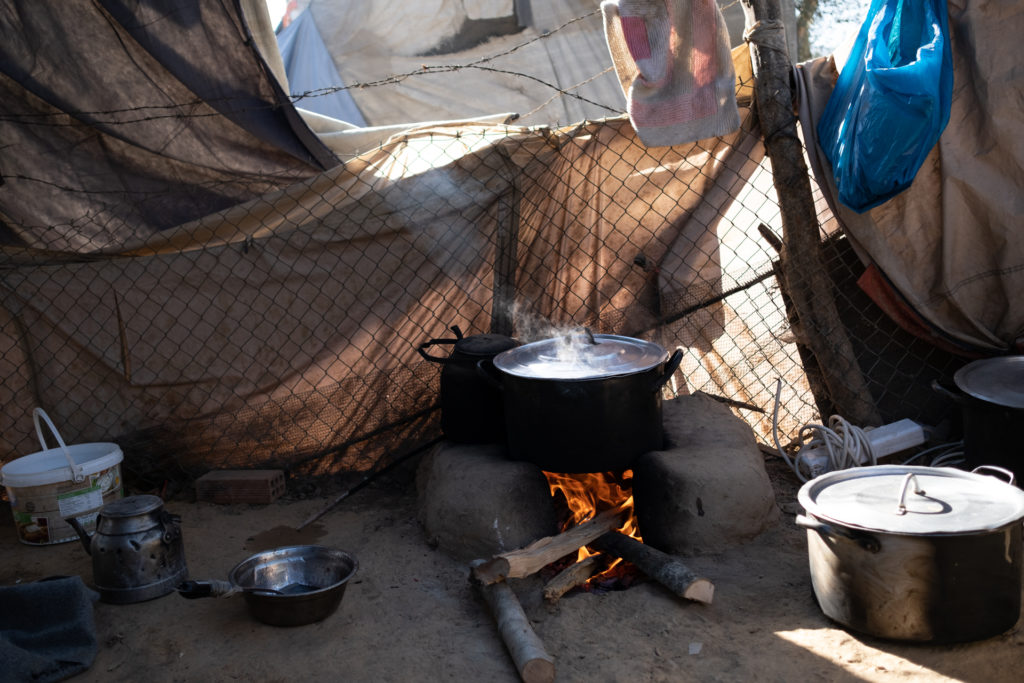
240, 486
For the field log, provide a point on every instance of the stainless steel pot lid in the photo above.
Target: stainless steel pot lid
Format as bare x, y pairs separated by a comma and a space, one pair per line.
933, 501
999, 380
581, 356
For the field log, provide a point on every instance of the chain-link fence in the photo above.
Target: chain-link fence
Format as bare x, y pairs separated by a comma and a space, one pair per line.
282, 331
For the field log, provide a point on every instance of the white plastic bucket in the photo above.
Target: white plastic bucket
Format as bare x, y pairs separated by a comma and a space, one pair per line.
47, 487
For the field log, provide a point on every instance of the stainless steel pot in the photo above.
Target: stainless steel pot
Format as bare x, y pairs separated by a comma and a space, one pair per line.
137, 551
915, 553
288, 586
584, 403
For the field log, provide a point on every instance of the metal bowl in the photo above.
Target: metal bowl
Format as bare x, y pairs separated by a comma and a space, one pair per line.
309, 582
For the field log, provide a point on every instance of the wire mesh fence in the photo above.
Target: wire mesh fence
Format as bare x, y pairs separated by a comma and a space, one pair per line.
280, 330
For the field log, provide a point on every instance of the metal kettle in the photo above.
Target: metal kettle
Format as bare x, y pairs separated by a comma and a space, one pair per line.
137, 550
472, 410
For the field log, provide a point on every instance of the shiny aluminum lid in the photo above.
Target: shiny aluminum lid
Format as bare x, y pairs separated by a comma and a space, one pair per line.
999, 380
581, 356
909, 500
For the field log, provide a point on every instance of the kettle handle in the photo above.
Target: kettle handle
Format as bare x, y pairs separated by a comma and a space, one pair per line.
422, 348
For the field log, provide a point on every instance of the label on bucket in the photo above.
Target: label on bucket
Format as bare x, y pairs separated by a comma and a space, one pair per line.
77, 502
40, 511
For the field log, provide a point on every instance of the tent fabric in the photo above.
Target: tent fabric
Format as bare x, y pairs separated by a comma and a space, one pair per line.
951, 245
275, 330
498, 75
309, 69
122, 119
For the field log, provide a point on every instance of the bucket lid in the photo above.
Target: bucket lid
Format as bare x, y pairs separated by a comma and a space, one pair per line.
911, 500
581, 356
999, 380
51, 466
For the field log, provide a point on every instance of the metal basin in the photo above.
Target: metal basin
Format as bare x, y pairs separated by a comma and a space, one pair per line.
309, 581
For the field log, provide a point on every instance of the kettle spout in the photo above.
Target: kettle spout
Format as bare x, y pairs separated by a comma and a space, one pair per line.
82, 533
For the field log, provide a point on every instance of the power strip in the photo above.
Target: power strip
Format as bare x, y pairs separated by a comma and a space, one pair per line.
885, 440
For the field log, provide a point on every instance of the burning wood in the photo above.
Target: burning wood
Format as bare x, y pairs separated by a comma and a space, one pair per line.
532, 661
571, 577
667, 570
526, 561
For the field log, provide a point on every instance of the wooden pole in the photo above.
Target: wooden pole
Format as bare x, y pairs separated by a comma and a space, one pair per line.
807, 282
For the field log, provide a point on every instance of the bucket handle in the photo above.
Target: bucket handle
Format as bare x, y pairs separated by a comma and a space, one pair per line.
77, 471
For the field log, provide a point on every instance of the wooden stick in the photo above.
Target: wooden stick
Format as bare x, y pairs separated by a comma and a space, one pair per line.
667, 570
806, 278
570, 578
516, 564
532, 661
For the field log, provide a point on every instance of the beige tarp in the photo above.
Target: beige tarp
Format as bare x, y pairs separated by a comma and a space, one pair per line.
952, 245
281, 328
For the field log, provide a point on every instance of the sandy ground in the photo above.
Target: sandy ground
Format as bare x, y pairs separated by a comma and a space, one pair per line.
410, 614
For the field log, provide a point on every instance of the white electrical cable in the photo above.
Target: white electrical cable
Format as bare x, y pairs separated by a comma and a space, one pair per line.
846, 444
841, 445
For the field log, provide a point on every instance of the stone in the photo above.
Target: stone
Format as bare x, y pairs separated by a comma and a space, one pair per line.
474, 502
708, 490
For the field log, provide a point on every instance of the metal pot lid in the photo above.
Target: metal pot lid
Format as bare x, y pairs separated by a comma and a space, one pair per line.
999, 380
485, 345
581, 356
907, 500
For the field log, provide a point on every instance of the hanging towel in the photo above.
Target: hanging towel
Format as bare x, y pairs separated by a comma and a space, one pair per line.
673, 61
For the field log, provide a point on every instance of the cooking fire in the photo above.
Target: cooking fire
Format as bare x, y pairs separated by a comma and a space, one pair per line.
581, 497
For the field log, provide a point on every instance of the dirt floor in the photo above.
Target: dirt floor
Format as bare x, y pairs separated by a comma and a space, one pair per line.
411, 615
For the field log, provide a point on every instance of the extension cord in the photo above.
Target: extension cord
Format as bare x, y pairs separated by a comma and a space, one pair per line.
885, 440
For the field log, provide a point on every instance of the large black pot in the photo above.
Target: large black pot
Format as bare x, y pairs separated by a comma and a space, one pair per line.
990, 393
594, 411
928, 554
471, 407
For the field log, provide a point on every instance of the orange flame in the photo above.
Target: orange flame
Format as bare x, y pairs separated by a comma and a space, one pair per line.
590, 494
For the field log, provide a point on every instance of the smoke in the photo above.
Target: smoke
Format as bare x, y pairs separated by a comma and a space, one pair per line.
530, 326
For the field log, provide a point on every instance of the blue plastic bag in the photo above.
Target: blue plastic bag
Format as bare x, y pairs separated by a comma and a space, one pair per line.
891, 102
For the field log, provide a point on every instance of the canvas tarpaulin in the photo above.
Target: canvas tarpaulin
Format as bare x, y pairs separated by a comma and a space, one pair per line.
120, 119
283, 330
951, 246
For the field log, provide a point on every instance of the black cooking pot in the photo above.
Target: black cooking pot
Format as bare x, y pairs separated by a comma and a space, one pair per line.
991, 395
471, 407
929, 554
584, 403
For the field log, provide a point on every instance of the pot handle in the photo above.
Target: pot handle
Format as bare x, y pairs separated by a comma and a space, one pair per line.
670, 367
861, 538
1010, 476
422, 348
901, 504
484, 368
207, 589
954, 395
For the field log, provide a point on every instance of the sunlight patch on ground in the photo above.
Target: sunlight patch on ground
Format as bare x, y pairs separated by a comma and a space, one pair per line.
859, 660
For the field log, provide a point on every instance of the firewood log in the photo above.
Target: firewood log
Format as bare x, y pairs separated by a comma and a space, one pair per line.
532, 661
667, 570
517, 564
